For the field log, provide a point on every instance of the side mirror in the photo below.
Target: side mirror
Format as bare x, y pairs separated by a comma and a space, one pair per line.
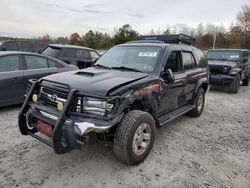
168, 75
244, 60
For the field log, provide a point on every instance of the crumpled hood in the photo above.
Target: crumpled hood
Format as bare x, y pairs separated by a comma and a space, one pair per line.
95, 80
224, 63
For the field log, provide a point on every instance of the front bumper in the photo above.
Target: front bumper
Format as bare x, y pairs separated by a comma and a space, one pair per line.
221, 79
68, 128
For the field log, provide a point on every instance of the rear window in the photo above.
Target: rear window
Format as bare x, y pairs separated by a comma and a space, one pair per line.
52, 51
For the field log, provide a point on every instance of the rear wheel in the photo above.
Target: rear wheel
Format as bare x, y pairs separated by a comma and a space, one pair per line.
134, 137
234, 86
198, 104
245, 82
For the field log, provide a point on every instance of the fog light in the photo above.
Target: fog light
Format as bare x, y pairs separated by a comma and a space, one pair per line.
34, 97
60, 106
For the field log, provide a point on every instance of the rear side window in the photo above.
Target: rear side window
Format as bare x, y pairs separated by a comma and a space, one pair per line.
27, 46
9, 63
201, 57
52, 64
34, 62
188, 60
68, 52
10, 46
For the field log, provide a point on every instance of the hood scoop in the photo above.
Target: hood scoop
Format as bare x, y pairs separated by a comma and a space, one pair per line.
83, 73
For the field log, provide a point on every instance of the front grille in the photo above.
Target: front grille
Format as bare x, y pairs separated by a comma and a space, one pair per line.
52, 96
217, 69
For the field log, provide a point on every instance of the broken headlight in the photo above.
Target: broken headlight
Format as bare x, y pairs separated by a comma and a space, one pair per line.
93, 106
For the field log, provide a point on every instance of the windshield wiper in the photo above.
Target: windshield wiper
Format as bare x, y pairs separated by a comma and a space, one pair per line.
126, 68
101, 66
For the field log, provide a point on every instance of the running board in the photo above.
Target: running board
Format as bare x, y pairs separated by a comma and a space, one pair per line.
175, 114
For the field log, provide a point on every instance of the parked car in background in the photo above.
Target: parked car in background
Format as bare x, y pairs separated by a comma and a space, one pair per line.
23, 45
228, 67
16, 68
75, 55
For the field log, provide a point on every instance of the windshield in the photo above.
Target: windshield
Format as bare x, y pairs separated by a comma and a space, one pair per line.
225, 55
138, 58
51, 51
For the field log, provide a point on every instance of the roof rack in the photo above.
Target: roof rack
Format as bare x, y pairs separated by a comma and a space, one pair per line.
176, 38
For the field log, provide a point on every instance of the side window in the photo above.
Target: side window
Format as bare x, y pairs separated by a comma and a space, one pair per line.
10, 46
9, 63
52, 64
174, 62
188, 60
68, 52
27, 46
34, 62
83, 54
94, 55
245, 54
201, 57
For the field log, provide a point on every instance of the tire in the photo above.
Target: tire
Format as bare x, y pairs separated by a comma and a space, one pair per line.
245, 82
234, 86
127, 136
199, 104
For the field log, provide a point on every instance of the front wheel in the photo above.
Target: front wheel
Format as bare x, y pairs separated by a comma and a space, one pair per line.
198, 104
245, 82
134, 137
234, 86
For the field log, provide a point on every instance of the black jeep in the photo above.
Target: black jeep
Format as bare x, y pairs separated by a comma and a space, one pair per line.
228, 67
133, 88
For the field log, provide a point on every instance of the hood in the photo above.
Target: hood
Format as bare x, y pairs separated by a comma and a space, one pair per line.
223, 63
95, 80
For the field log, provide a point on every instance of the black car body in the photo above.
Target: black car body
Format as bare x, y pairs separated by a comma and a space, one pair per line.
75, 55
23, 45
145, 81
228, 67
16, 68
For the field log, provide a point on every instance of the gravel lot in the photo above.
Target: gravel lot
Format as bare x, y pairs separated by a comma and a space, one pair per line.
210, 151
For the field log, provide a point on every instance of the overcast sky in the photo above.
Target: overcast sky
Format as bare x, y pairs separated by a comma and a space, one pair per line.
32, 18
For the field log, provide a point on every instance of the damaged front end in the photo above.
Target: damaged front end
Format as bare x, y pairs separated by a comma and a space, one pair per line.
62, 117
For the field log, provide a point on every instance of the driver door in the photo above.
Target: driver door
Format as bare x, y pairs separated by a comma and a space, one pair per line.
172, 94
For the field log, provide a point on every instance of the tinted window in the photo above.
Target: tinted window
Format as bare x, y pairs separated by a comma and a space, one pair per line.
26, 46
82, 54
201, 57
94, 55
34, 62
68, 52
52, 64
10, 46
9, 63
174, 62
52, 51
188, 60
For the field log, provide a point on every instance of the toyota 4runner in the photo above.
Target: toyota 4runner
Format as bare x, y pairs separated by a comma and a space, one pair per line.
132, 88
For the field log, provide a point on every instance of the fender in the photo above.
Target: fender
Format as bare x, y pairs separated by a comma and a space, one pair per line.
149, 102
201, 82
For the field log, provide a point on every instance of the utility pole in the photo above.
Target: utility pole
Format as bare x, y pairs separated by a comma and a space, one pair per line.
215, 34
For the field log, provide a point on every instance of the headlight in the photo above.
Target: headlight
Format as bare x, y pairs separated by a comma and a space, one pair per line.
93, 106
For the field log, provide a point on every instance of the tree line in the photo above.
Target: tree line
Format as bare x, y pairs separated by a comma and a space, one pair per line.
207, 36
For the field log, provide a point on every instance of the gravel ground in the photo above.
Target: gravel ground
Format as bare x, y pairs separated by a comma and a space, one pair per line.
210, 151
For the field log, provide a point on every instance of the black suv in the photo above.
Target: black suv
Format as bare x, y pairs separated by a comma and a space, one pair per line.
228, 67
75, 55
132, 88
